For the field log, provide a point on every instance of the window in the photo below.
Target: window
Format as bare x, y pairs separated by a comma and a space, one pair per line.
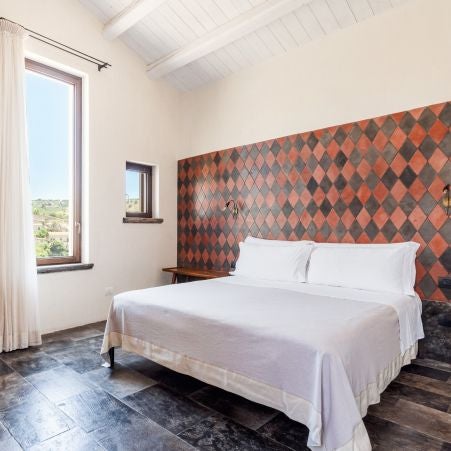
138, 190
53, 101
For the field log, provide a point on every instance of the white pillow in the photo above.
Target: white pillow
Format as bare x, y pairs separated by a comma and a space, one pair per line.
254, 240
378, 267
285, 263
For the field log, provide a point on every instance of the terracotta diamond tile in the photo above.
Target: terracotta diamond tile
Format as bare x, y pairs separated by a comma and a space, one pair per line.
438, 131
372, 181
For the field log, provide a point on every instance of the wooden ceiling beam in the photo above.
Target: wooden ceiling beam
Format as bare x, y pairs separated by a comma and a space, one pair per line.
129, 16
238, 27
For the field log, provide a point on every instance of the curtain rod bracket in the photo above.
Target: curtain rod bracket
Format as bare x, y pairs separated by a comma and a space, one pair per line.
102, 66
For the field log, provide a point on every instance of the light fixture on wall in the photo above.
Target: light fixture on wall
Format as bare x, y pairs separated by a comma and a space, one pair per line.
446, 198
233, 207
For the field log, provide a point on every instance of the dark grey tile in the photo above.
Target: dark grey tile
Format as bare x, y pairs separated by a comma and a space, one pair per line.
443, 366
388, 127
92, 343
218, 434
445, 115
428, 286
433, 373
407, 123
389, 152
59, 383
180, 383
427, 176
8, 357
4, 368
386, 435
445, 259
72, 440
177, 382
172, 411
75, 333
28, 363
241, 410
95, 409
120, 354
428, 146
79, 333
134, 361
427, 119
14, 389
32, 422
55, 345
54, 336
79, 359
140, 435
63, 344
396, 390
425, 383
286, 431
437, 342
431, 422
120, 381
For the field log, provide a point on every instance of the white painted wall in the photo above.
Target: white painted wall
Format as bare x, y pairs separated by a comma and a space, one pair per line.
393, 62
130, 118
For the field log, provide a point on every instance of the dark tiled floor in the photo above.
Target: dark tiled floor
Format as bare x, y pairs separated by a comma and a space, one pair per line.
58, 397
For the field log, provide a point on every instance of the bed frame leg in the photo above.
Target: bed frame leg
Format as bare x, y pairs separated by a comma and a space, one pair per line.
111, 354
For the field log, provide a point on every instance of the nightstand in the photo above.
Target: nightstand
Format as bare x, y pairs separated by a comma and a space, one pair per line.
186, 274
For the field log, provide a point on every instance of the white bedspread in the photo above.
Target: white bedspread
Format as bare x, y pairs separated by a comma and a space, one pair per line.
319, 354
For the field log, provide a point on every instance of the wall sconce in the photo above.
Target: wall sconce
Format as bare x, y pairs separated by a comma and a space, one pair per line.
233, 206
446, 198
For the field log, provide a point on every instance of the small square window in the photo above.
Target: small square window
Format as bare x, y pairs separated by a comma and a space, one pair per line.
138, 190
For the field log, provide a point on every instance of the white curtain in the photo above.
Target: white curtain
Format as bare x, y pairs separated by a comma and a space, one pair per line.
18, 279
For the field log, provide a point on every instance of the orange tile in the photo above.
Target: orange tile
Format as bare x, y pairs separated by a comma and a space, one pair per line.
438, 131
437, 216
398, 137
417, 162
417, 134
438, 160
417, 189
438, 245
417, 217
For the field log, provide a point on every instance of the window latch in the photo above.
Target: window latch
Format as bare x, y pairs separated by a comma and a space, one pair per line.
77, 228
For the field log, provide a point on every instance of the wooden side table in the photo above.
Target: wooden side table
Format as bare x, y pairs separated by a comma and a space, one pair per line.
194, 273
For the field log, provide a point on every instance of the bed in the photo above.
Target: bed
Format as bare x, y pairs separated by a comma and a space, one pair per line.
320, 354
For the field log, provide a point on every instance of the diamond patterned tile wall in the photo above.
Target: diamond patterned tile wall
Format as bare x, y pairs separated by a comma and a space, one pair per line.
373, 181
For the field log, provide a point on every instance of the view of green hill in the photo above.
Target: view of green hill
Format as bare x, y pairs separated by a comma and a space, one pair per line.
51, 227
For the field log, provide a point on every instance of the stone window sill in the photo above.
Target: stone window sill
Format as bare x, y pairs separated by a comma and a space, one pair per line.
63, 268
134, 220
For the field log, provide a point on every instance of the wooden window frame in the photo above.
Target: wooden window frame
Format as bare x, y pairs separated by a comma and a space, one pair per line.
147, 202
77, 83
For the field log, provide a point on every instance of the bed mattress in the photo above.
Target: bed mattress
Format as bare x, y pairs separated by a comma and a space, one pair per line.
319, 354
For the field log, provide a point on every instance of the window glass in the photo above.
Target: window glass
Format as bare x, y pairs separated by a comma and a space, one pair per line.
138, 190
51, 110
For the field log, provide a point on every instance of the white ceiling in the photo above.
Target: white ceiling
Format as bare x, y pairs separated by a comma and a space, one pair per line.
193, 42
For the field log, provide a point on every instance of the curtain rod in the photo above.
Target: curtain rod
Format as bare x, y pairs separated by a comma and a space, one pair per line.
65, 48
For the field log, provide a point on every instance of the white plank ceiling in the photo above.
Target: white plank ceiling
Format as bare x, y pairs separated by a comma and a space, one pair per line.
194, 42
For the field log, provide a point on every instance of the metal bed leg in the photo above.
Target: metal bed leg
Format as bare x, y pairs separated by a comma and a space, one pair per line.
111, 354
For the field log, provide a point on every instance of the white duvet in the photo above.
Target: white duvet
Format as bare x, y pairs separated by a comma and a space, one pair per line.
319, 354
